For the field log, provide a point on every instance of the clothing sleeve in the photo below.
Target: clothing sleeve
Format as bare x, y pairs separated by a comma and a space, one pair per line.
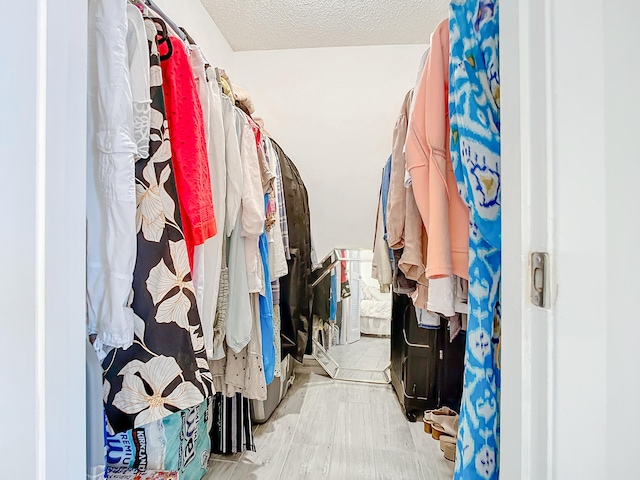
253, 213
139, 72
381, 265
188, 146
427, 156
415, 243
396, 204
233, 160
111, 192
278, 259
437, 122
282, 208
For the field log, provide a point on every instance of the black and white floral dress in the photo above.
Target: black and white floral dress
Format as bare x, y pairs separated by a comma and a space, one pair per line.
165, 370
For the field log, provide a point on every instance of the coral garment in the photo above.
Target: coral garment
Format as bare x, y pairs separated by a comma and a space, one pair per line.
188, 146
445, 216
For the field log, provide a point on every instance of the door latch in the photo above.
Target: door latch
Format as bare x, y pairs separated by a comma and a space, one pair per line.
539, 262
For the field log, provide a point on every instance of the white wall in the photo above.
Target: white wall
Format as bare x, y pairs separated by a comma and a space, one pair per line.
333, 111
195, 19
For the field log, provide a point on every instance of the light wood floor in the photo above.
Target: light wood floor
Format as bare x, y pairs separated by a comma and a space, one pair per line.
369, 353
333, 430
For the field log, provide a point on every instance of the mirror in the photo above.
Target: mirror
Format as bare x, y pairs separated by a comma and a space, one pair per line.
351, 318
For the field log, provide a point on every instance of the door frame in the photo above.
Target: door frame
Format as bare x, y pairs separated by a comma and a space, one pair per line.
525, 448
42, 249
568, 177
45, 327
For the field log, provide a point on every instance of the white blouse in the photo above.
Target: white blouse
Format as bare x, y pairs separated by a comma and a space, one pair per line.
253, 211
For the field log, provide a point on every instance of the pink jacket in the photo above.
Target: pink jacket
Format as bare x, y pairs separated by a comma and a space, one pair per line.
445, 216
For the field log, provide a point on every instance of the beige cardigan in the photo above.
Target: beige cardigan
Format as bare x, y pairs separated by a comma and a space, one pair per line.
404, 223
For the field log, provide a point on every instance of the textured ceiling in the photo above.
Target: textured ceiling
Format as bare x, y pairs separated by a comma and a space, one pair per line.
277, 24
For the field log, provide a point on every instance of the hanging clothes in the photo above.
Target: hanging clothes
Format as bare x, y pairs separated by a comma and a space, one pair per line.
295, 291
444, 214
207, 265
384, 197
397, 201
165, 370
381, 268
241, 370
280, 253
266, 310
233, 159
474, 98
232, 432
275, 235
334, 294
278, 248
404, 225
139, 73
188, 145
241, 325
111, 190
253, 212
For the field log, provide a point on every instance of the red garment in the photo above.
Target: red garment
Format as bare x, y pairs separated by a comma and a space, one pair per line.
188, 147
256, 131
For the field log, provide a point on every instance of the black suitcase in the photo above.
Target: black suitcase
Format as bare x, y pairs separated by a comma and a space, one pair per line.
426, 369
451, 368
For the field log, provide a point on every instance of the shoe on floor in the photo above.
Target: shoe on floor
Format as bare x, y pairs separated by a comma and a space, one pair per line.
448, 426
436, 416
428, 424
450, 452
446, 440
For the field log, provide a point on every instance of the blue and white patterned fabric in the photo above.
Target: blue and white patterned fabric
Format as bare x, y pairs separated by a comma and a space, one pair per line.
474, 105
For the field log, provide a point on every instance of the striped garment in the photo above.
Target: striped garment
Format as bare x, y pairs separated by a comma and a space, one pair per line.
282, 209
232, 429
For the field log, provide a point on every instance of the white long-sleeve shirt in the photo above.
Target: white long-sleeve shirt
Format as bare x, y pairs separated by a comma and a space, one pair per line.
253, 211
111, 193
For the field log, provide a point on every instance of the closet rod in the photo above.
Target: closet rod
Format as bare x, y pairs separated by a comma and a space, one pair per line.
166, 18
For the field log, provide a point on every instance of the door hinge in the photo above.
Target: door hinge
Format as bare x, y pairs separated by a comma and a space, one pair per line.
539, 263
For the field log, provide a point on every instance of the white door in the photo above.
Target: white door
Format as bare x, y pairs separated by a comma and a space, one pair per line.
570, 172
353, 267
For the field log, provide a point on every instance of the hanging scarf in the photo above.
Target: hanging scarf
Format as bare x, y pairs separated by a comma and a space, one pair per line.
474, 104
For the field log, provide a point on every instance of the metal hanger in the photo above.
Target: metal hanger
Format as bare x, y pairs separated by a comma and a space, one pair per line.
164, 16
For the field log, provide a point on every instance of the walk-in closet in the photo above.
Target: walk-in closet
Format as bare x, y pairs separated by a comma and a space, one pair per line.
319, 240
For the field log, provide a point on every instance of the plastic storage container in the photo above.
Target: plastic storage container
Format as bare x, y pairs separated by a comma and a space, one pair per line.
96, 453
261, 411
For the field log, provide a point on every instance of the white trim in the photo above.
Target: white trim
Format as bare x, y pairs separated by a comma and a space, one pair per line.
527, 336
42, 254
40, 237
